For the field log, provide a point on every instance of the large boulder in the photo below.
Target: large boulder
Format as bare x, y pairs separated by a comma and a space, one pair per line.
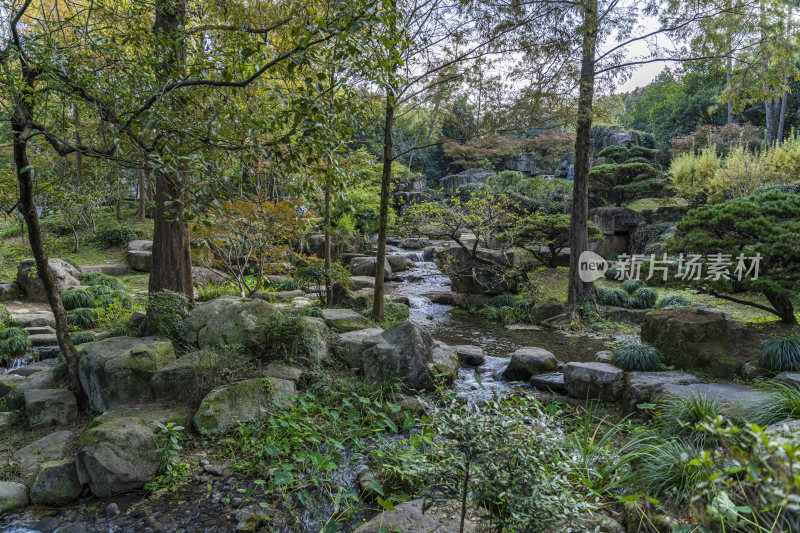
245, 401
56, 483
529, 361
452, 182
50, 406
366, 266
118, 370
471, 276
344, 320
412, 516
12, 496
547, 309
64, 274
587, 381
351, 345
49, 448
617, 225
227, 321
695, 338
139, 260
644, 387
398, 262
9, 290
207, 276
524, 162
118, 456
408, 353
469, 354
180, 380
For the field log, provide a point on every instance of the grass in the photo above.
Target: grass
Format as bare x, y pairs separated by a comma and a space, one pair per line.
636, 356
781, 402
651, 204
680, 417
780, 353
665, 470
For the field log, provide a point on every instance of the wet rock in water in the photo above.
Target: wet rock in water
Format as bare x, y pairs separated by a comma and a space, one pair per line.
49, 448
366, 266
289, 373
56, 483
344, 320
593, 381
553, 381
64, 275
409, 516
229, 321
644, 387
400, 299
407, 352
528, 361
398, 262
225, 407
351, 345
12, 496
470, 355
50, 406
440, 297
118, 370
117, 456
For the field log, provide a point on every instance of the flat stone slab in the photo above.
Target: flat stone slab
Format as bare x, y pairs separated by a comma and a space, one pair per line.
109, 270
152, 414
43, 330
730, 393
344, 320
49, 448
553, 381
470, 355
283, 372
362, 282
139, 260
143, 245
587, 381
44, 339
643, 387
35, 320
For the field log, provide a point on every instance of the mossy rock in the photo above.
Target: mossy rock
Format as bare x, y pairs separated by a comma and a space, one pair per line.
344, 320
151, 414
56, 483
229, 321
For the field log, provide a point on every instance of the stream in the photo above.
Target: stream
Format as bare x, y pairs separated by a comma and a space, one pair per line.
192, 508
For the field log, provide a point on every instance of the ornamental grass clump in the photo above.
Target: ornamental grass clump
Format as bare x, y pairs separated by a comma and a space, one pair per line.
636, 356
780, 353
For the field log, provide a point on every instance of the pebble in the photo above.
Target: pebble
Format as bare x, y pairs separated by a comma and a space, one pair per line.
111, 510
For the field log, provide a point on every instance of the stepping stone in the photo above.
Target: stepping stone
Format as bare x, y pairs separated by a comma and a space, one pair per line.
644, 387
528, 361
34, 368
35, 320
50, 406
344, 320
49, 448
44, 339
44, 330
109, 270
730, 393
593, 381
470, 355
553, 381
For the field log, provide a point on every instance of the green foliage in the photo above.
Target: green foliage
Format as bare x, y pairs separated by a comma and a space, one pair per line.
545, 236
83, 317
632, 285
781, 402
172, 471
673, 301
110, 298
215, 366
636, 356
81, 337
612, 273
8, 333
692, 174
780, 353
684, 417
631, 174
72, 262
289, 284
211, 291
5, 316
287, 338
315, 275
117, 235
666, 469
167, 315
13, 343
642, 298
76, 298
506, 308
533, 194
98, 279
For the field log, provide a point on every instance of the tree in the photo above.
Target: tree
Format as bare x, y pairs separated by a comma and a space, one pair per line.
767, 224
630, 174
545, 236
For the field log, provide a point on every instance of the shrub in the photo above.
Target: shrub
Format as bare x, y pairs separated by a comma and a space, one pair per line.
288, 284
613, 297
81, 337
692, 173
110, 298
612, 273
83, 317
781, 402
673, 301
780, 353
286, 337
636, 356
77, 298
9, 333
643, 298
5, 316
167, 315
314, 275
98, 279
631, 285
212, 292
666, 469
119, 235
13, 343
682, 416
72, 262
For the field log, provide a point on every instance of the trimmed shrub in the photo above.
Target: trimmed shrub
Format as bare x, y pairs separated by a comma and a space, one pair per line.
780, 353
81, 337
612, 273
167, 315
636, 356
98, 279
614, 297
83, 317
77, 298
285, 336
14, 346
643, 298
673, 301
110, 298
632, 285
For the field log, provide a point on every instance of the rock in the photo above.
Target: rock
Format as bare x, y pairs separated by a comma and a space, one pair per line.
445, 363
400, 299
180, 380
50, 406
38, 319
109, 270
409, 517
227, 321
143, 246
111, 510
695, 338
750, 371
56, 483
416, 243
152, 414
451, 183
470, 276
207, 276
279, 296
786, 428
42, 330
440, 297
248, 521
543, 311
35, 368
117, 456
603, 356
553, 381
789, 378
9, 382
367, 483
225, 407
15, 399
119, 369
644, 387
136, 319
732, 394
351, 345
398, 262
524, 162
64, 274
12, 496
470, 355
288, 373
408, 353
6, 419
49, 448
139, 260
414, 404
623, 314
365, 266
528, 361
317, 337
344, 320
43, 339
9, 291
593, 380
362, 282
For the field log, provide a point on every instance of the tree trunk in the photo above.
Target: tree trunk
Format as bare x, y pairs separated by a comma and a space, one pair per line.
23, 113
78, 153
171, 265
144, 178
579, 234
386, 183
783, 305
328, 286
